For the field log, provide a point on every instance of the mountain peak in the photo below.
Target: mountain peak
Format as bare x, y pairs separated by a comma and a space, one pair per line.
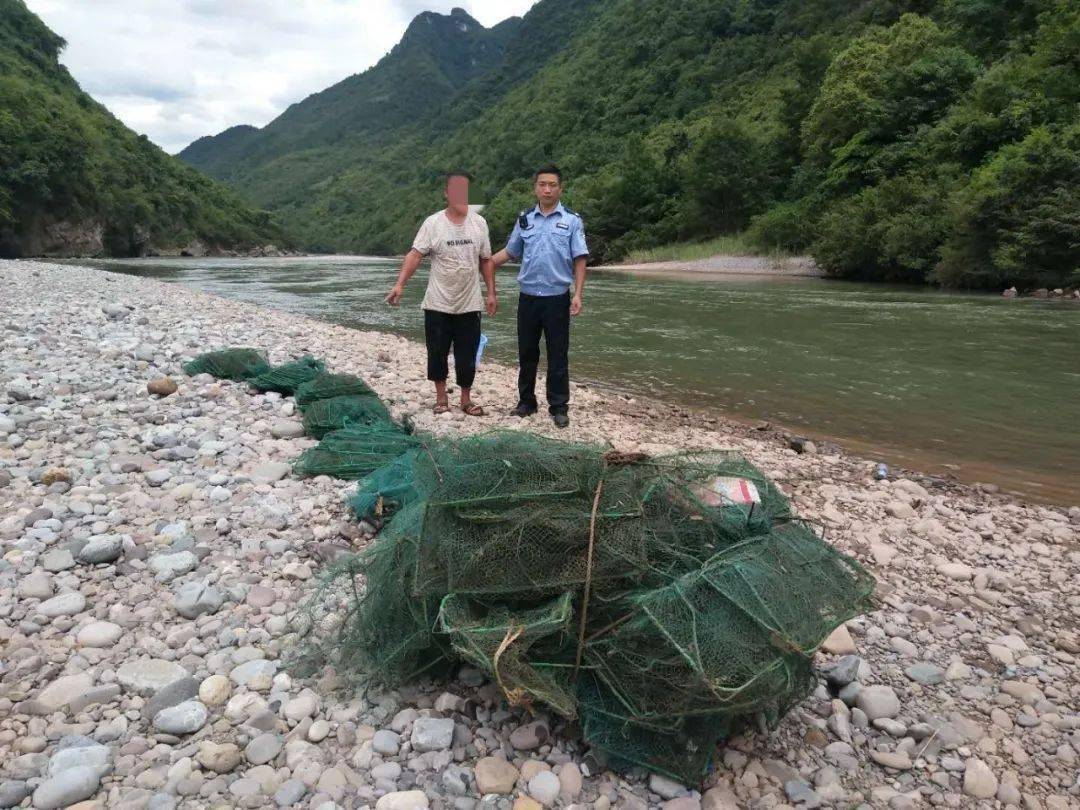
458, 18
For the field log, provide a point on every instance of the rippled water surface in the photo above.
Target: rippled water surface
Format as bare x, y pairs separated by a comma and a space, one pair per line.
982, 387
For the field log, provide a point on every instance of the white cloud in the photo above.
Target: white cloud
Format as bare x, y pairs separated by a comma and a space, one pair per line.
179, 69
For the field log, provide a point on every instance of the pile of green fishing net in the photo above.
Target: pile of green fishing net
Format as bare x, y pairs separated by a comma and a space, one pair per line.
638, 595
230, 364
661, 602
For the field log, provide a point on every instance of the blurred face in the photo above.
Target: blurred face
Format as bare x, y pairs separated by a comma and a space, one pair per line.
548, 188
457, 192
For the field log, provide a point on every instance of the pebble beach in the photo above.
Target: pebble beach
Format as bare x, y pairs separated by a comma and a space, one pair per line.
155, 547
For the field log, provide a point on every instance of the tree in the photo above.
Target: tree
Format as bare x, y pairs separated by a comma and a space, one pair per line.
1018, 221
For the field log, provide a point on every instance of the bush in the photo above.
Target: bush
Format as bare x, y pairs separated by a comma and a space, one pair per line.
1018, 220
788, 226
890, 232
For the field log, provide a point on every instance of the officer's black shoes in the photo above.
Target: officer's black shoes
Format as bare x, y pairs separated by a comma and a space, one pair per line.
523, 411
560, 419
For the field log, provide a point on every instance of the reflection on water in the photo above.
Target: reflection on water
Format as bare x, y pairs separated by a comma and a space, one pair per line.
973, 384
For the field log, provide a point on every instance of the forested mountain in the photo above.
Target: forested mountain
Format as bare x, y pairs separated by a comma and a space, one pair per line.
935, 140
75, 181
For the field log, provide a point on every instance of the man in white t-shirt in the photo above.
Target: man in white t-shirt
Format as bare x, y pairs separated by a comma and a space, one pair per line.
457, 241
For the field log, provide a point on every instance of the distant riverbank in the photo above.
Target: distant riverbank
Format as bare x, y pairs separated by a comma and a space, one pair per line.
727, 265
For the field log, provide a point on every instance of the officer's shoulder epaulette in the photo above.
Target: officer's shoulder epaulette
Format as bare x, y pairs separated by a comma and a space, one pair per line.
571, 211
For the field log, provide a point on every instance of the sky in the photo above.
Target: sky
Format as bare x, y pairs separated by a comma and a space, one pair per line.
176, 70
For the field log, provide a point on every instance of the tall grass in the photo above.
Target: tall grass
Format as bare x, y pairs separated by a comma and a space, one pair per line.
736, 244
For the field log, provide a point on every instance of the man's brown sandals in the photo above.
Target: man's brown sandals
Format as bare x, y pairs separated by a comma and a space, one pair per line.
472, 409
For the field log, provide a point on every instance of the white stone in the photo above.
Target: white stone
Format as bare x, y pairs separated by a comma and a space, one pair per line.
979, 780
65, 604
545, 787
146, 676
403, 800
665, 788
169, 566
432, 734
251, 671
286, 429
957, 571
66, 788
183, 718
99, 634
215, 690
878, 702
301, 706
65, 689
270, 472
89, 756
36, 585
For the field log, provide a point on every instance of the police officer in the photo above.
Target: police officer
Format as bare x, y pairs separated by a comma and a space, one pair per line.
549, 240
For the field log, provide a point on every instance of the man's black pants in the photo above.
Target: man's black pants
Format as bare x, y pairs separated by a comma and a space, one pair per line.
462, 331
548, 315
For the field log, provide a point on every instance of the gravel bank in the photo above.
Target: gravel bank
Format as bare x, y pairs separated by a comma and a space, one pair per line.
153, 550
793, 266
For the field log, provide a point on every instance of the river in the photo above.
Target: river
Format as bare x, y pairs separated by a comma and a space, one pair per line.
972, 385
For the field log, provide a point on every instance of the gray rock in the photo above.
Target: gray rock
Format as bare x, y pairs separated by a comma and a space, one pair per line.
156, 478
161, 801
286, 429
665, 788
26, 766
146, 676
242, 674
530, 736
170, 695
849, 693
385, 742
800, 793
58, 559
878, 701
65, 689
12, 792
545, 787
184, 718
36, 585
65, 604
66, 788
290, 793
432, 734
94, 755
115, 312
167, 567
925, 673
193, 599
979, 780
101, 694
270, 472
455, 780
99, 634
103, 548
263, 748
843, 672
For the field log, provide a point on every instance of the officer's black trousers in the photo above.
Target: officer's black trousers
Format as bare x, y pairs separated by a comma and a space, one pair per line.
548, 315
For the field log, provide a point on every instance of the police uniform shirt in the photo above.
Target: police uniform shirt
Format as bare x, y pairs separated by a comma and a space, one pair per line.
547, 247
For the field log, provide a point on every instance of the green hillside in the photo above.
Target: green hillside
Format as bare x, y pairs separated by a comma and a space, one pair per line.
904, 141
75, 181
